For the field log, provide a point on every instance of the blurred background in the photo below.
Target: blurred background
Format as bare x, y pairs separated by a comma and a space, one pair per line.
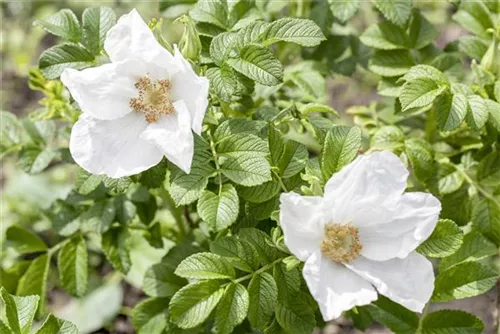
25, 197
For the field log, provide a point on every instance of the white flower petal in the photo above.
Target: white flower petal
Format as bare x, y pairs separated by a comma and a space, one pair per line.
413, 221
335, 288
408, 281
112, 147
364, 191
104, 92
132, 38
192, 89
301, 222
173, 136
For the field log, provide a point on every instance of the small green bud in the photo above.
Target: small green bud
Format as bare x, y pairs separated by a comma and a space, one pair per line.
491, 59
190, 43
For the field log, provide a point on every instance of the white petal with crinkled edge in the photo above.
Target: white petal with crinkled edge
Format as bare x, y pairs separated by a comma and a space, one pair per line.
408, 281
173, 136
301, 220
192, 89
132, 38
335, 288
413, 221
104, 92
114, 147
366, 191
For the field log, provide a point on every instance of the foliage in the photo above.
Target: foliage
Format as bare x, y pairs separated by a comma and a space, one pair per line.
217, 261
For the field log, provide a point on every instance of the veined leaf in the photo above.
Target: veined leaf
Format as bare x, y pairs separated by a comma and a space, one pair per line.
116, 248
295, 316
341, 146
24, 241
421, 31
205, 266
247, 170
55, 325
391, 63
219, 210
34, 280
385, 36
222, 46
192, 304
344, 9
445, 240
263, 293
223, 81
421, 158
96, 23
299, 31
260, 193
450, 110
477, 113
56, 59
240, 253
486, 218
396, 11
64, 24
394, 316
488, 170
259, 64
465, 280
475, 17
73, 266
150, 316
419, 93
451, 321
232, 309
211, 11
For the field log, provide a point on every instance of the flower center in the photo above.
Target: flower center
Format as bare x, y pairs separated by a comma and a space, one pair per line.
153, 98
341, 243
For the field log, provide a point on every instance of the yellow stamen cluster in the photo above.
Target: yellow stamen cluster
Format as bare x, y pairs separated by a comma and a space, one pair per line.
153, 99
341, 243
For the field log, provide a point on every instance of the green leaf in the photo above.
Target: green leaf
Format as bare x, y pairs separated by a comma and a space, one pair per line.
56, 59
421, 158
344, 9
475, 17
288, 282
211, 11
288, 155
391, 63
19, 311
426, 72
12, 132
150, 316
240, 253
64, 24
488, 170
308, 80
34, 280
418, 93
99, 217
299, 31
260, 193
486, 219
73, 266
445, 240
464, 280
263, 293
223, 81
310, 108
160, 280
222, 47
385, 36
388, 137
24, 241
247, 170
116, 248
396, 11
232, 309
451, 321
187, 188
450, 110
262, 242
96, 23
497, 90
341, 146
259, 64
474, 247
205, 266
477, 113
34, 160
234, 126
450, 179
250, 33
295, 316
421, 31
192, 304
219, 210
397, 318
53, 325
473, 46
241, 145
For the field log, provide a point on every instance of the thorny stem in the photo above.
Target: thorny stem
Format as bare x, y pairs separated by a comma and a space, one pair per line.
216, 160
483, 191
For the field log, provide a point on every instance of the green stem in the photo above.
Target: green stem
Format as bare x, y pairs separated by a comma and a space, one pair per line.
483, 191
424, 312
280, 181
216, 160
266, 267
57, 246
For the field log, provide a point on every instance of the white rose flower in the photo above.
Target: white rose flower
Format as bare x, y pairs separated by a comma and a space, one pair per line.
362, 235
138, 108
